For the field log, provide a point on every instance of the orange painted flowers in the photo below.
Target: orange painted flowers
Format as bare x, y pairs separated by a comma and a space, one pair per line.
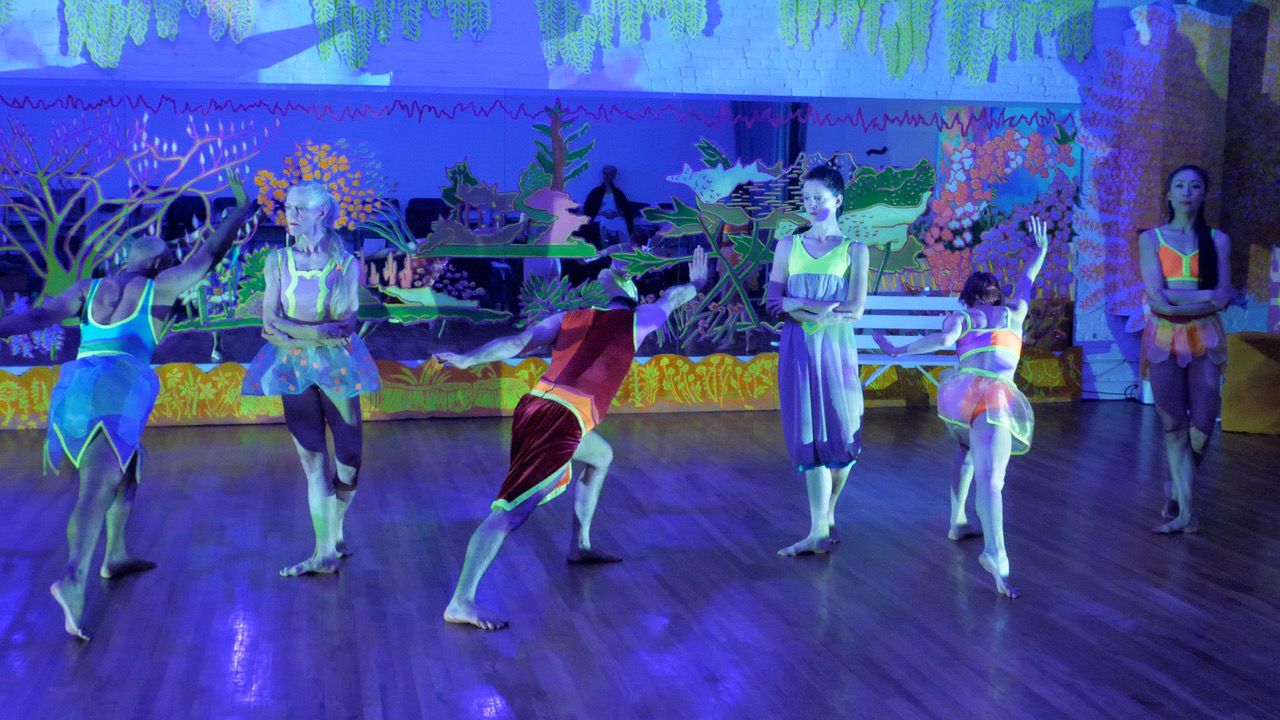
348, 174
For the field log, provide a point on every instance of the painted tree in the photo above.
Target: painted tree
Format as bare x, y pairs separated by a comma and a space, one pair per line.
65, 218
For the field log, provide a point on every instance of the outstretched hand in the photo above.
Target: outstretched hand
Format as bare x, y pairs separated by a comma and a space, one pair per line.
236, 184
888, 348
1039, 232
698, 267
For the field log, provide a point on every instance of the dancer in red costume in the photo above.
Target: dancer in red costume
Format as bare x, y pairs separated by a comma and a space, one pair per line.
554, 423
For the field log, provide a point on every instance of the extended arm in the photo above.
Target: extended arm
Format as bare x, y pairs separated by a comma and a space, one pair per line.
649, 318
63, 306
506, 347
177, 280
944, 338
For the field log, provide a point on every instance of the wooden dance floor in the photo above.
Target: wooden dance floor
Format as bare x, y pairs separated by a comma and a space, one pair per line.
702, 620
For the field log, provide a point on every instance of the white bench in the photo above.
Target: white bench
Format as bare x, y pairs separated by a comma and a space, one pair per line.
893, 316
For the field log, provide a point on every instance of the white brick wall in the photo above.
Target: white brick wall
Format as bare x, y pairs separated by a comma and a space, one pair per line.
742, 56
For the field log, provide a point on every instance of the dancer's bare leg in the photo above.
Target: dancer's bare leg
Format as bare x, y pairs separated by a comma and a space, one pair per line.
117, 561
483, 547
596, 453
818, 483
991, 448
100, 479
961, 481
839, 477
343, 417
323, 506
1171, 386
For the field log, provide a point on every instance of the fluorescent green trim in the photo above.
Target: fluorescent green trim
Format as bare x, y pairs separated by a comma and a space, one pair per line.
986, 348
79, 457
143, 300
1023, 442
506, 506
293, 284
981, 372
1186, 259
802, 262
100, 353
294, 274
582, 425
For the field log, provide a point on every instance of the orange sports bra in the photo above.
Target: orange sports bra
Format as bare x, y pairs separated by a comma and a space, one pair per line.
1175, 265
975, 340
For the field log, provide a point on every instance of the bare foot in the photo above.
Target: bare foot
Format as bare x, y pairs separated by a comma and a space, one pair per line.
344, 550
124, 566
808, 546
466, 613
314, 565
989, 564
71, 600
964, 531
1170, 509
832, 535
1177, 525
590, 556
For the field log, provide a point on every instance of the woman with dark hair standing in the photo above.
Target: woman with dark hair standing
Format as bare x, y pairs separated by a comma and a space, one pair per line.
1186, 272
819, 284
983, 409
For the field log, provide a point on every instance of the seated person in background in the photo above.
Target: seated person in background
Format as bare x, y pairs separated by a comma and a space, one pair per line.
609, 209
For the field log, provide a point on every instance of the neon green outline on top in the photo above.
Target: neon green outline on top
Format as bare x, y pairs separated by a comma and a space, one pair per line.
1186, 259
825, 265
295, 274
145, 300
1008, 327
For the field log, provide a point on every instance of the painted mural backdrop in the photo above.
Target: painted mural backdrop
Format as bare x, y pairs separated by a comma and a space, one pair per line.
502, 251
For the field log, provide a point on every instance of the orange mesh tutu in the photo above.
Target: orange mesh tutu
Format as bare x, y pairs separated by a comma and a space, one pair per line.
1184, 339
966, 393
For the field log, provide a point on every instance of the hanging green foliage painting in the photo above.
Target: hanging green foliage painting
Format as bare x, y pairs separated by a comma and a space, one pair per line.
983, 32
903, 34
102, 26
347, 29
572, 35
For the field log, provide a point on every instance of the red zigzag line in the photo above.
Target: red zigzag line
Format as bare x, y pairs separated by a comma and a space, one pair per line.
991, 118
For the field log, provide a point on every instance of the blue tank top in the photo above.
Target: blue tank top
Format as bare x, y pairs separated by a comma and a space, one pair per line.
134, 335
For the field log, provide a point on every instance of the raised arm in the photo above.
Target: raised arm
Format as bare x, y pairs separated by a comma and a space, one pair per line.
506, 347
65, 305
175, 281
1026, 284
650, 318
952, 326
